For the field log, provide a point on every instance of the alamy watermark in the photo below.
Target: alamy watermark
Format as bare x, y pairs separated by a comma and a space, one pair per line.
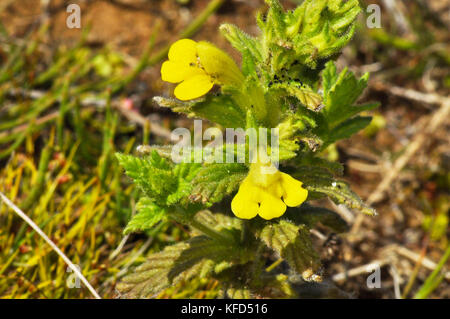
73, 20
374, 18
73, 281
374, 279
237, 146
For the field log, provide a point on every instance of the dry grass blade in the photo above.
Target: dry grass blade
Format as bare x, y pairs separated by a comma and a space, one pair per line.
33, 225
434, 121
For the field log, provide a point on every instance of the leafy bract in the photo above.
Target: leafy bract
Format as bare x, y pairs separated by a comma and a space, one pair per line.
159, 180
292, 243
338, 120
148, 214
221, 109
214, 181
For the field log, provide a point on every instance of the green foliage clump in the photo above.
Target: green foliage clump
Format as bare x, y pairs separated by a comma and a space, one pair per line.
290, 83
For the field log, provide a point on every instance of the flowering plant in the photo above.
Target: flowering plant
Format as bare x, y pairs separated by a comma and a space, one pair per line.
245, 214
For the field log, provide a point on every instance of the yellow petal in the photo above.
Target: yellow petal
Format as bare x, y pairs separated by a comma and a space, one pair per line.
294, 194
253, 191
276, 189
218, 64
264, 175
271, 207
175, 72
183, 51
243, 207
193, 87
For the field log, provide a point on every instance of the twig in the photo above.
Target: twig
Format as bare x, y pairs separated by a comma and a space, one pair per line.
318, 234
343, 211
434, 121
400, 20
125, 238
150, 123
130, 262
428, 98
396, 278
426, 262
24, 127
359, 270
363, 167
417, 266
50, 242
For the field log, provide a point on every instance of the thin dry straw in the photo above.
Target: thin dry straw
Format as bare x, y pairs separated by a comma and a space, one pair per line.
50, 242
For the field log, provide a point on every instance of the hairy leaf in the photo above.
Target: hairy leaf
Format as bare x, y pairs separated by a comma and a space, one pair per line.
219, 109
180, 261
294, 245
337, 119
148, 214
310, 216
163, 183
349, 127
218, 221
215, 181
197, 257
303, 93
341, 193
242, 42
148, 172
316, 30
340, 93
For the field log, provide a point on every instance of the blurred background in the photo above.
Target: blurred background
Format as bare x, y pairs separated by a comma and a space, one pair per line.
71, 97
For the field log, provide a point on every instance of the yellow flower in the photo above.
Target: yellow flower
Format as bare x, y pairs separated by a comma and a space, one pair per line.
266, 192
198, 66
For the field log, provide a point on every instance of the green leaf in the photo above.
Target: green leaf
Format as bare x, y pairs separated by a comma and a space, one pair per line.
311, 216
242, 41
218, 221
220, 109
181, 261
327, 25
315, 31
294, 132
320, 180
309, 161
198, 257
185, 173
329, 77
337, 119
435, 278
215, 181
148, 214
349, 127
148, 172
162, 182
275, 18
249, 64
341, 193
293, 244
303, 93
340, 93
315, 175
